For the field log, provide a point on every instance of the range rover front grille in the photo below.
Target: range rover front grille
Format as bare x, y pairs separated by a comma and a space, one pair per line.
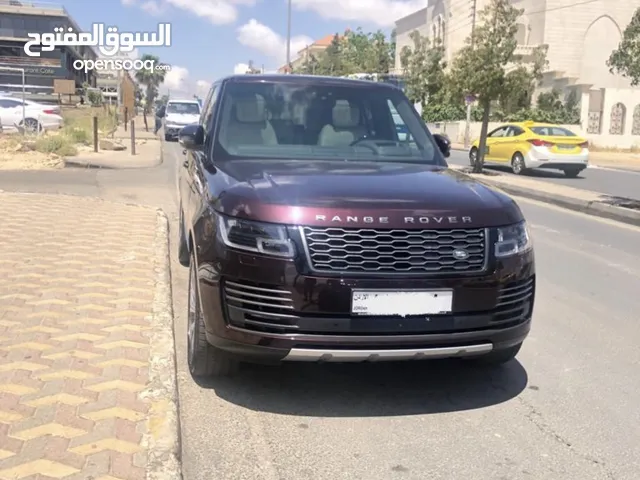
377, 251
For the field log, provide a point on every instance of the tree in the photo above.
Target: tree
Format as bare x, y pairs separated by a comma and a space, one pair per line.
488, 67
151, 80
393, 45
625, 60
310, 66
332, 61
424, 70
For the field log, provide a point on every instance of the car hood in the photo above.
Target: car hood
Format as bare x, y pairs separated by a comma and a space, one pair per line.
383, 195
182, 118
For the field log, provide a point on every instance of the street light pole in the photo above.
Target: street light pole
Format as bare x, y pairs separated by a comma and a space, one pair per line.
288, 35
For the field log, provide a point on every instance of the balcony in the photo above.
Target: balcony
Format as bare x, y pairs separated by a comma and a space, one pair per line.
525, 50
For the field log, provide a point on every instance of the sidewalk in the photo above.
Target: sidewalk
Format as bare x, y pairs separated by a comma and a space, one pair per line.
141, 133
594, 203
148, 155
621, 160
87, 375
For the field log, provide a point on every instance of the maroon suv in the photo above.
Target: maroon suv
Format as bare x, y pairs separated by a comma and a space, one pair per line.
320, 223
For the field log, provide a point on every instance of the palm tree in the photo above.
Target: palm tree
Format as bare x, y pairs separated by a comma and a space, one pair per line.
151, 81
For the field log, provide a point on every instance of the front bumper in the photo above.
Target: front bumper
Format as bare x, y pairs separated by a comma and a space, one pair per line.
264, 310
173, 130
542, 157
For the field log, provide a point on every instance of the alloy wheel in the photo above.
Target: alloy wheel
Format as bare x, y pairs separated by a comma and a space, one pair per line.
472, 157
31, 125
517, 165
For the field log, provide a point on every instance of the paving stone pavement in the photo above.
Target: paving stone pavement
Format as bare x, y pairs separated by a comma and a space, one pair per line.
80, 392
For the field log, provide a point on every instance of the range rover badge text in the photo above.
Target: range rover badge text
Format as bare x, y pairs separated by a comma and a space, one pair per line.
383, 220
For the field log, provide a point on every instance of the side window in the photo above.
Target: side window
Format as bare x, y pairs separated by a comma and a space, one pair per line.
9, 103
498, 132
402, 131
207, 112
205, 105
516, 131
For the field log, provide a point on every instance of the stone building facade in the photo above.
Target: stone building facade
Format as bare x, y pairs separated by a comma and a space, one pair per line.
580, 36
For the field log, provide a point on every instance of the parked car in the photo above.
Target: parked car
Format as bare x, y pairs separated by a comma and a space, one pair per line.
179, 113
324, 237
37, 116
530, 145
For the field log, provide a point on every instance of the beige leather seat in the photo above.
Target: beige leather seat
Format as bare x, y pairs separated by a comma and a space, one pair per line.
249, 124
345, 126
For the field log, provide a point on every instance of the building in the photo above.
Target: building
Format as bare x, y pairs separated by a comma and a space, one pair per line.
580, 37
17, 19
315, 49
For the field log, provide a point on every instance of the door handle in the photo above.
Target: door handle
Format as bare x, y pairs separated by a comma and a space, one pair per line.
185, 164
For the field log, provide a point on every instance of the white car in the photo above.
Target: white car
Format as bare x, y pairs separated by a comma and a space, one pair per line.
179, 114
37, 116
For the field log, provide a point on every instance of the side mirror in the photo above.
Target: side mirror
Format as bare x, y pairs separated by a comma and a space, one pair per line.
191, 137
443, 144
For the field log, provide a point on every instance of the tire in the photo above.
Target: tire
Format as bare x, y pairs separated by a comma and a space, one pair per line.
184, 256
204, 359
498, 357
473, 153
518, 166
572, 172
32, 125
167, 138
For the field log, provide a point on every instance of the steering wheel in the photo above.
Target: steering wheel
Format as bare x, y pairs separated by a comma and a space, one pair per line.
365, 142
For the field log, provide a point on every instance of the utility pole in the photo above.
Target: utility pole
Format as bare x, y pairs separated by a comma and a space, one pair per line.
467, 128
288, 35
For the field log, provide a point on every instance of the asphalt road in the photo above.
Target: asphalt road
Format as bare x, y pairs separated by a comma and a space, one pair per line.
566, 410
621, 183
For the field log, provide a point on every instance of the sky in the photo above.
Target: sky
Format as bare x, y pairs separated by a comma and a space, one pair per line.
215, 38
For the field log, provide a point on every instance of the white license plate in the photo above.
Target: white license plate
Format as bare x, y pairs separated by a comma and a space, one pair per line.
386, 303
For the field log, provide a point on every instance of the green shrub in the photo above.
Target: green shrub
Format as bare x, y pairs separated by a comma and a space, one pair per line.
78, 135
58, 144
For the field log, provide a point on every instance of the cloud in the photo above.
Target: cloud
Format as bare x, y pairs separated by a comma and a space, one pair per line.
202, 88
153, 8
176, 79
382, 13
254, 34
217, 12
240, 68
179, 83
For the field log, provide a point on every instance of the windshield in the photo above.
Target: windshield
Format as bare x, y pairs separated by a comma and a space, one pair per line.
186, 108
326, 122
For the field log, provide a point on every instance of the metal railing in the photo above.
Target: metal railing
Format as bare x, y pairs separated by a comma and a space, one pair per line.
17, 4
31, 61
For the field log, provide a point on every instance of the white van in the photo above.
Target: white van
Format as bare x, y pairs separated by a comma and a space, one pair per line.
178, 114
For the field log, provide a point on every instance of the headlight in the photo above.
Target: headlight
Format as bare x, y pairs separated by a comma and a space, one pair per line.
513, 240
265, 238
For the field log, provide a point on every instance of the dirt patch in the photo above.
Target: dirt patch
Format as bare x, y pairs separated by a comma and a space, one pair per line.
18, 153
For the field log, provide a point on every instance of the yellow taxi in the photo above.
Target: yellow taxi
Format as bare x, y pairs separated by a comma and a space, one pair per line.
532, 145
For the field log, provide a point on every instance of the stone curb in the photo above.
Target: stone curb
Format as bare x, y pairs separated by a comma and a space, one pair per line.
162, 438
589, 207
